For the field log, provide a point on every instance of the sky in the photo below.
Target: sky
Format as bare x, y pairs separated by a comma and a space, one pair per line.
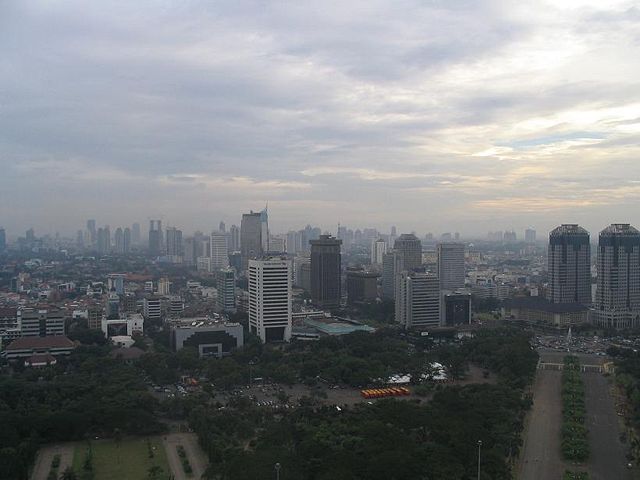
433, 116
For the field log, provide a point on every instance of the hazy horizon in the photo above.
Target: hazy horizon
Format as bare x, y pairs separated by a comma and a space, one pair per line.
440, 116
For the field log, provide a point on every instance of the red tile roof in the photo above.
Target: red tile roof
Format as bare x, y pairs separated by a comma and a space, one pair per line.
26, 343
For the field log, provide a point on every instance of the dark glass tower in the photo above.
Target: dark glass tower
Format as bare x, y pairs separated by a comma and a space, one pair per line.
569, 265
325, 271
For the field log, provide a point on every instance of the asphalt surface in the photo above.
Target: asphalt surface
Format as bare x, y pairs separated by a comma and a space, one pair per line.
197, 458
607, 459
541, 458
45, 456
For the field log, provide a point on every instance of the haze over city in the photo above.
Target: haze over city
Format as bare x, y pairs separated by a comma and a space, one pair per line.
432, 116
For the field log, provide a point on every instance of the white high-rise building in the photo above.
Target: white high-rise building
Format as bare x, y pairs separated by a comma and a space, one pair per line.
219, 250
164, 286
451, 265
378, 249
418, 300
270, 298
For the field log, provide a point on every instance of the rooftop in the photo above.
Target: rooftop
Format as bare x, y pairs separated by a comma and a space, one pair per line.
26, 343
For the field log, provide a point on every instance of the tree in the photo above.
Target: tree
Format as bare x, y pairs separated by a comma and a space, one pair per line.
154, 473
68, 474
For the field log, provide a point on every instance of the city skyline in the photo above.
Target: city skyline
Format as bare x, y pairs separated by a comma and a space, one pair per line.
375, 110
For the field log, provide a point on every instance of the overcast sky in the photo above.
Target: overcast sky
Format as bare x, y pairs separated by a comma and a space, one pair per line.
433, 116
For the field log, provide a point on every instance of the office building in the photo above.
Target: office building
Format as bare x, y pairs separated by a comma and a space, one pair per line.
164, 286
530, 236
41, 322
234, 238
226, 286
264, 230
219, 250
129, 324
617, 302
456, 309
391, 267
409, 248
418, 300
135, 234
103, 240
152, 308
115, 283
378, 249
212, 338
174, 244
326, 267
3, 240
251, 237
270, 298
451, 265
569, 264
155, 237
362, 286
93, 234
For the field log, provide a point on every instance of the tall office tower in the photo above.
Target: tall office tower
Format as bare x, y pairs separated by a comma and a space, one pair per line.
219, 250
270, 298
79, 239
451, 265
326, 267
126, 245
391, 268
119, 241
93, 234
190, 251
155, 237
409, 247
362, 286
222, 227
234, 237
617, 302
277, 244
530, 235
174, 242
3, 240
394, 231
30, 235
135, 234
378, 249
291, 242
569, 264
103, 240
251, 237
510, 236
299, 278
418, 302
264, 224
226, 286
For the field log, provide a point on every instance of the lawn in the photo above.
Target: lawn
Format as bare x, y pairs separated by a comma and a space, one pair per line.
130, 460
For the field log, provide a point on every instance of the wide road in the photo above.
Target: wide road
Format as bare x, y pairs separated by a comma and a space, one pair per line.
197, 458
607, 459
45, 456
541, 450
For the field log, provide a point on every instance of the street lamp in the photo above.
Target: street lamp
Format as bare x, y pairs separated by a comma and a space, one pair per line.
479, 448
277, 466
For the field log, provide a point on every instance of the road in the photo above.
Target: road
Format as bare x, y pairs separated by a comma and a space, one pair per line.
196, 456
607, 459
45, 456
540, 457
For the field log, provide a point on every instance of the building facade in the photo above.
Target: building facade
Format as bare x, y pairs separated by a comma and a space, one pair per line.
418, 301
270, 298
451, 265
409, 247
569, 264
226, 285
326, 267
251, 238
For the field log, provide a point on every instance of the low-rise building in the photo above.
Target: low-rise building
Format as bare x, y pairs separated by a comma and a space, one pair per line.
536, 310
211, 337
26, 347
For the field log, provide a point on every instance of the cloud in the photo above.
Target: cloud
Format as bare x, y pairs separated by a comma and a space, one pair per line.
426, 115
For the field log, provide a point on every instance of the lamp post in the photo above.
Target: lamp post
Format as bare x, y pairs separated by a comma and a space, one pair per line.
479, 448
277, 466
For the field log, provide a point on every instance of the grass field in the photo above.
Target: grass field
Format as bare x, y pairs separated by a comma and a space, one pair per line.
127, 461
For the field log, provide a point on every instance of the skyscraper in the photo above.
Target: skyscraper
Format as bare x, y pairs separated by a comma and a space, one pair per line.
569, 264
251, 237
409, 247
530, 236
91, 228
135, 234
119, 241
3, 240
617, 302
126, 246
222, 227
264, 227
174, 243
391, 267
378, 249
219, 250
155, 237
270, 298
326, 267
104, 240
226, 286
418, 301
451, 265
234, 239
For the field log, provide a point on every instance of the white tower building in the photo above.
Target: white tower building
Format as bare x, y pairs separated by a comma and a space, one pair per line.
270, 298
